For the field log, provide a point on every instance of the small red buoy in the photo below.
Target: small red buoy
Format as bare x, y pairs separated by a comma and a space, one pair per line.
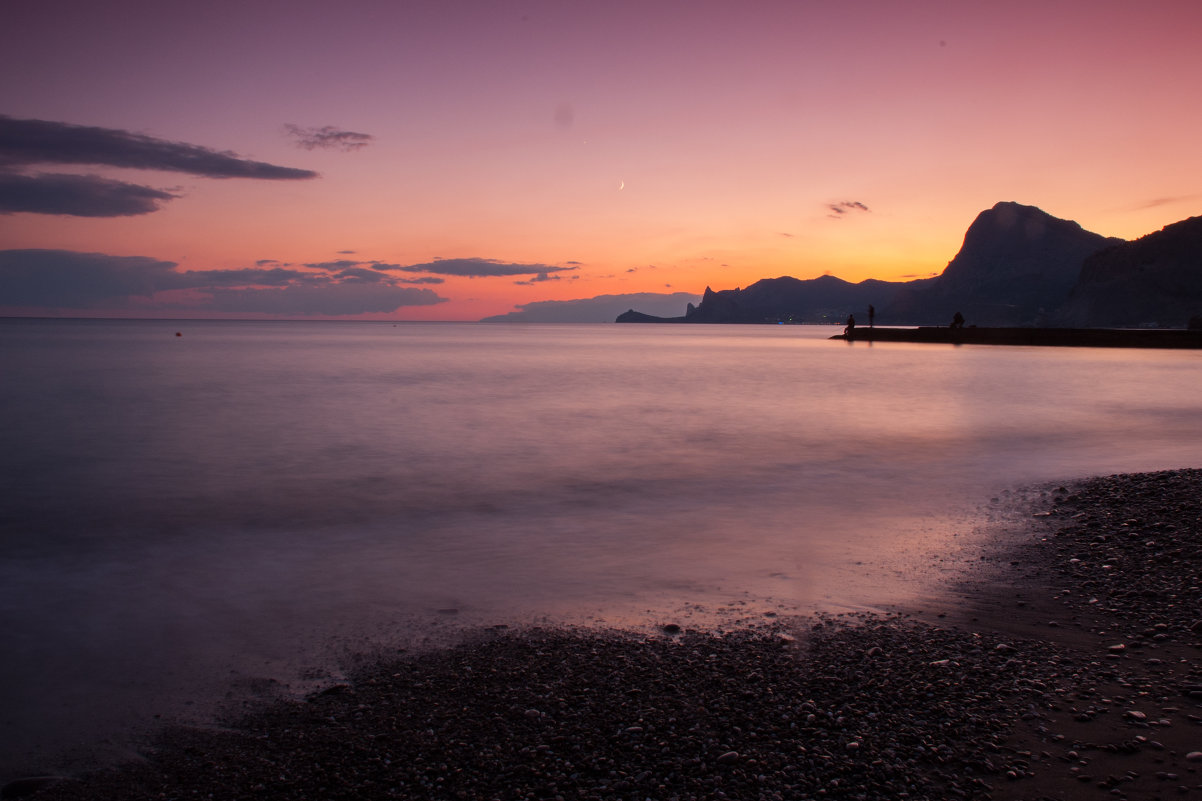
178, 334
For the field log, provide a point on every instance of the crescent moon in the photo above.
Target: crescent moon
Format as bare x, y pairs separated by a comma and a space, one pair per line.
621, 185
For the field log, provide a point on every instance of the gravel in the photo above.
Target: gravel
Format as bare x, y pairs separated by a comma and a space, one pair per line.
1019, 692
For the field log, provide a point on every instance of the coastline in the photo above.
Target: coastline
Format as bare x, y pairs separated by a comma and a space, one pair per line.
1063, 664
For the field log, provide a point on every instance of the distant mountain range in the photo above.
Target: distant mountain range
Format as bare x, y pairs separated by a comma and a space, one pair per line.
1018, 266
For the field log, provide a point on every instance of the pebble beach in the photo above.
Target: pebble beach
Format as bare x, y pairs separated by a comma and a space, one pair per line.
1062, 663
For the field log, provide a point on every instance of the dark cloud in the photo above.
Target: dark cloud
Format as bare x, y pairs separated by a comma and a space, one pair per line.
31, 142
371, 271
71, 280
600, 309
193, 279
480, 268
328, 138
362, 274
538, 279
837, 210
64, 279
76, 195
314, 300
333, 266
346, 253
346, 264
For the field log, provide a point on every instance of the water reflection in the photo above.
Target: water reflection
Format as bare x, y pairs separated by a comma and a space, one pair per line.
249, 499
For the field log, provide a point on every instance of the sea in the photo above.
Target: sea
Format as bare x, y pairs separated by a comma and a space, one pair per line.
198, 514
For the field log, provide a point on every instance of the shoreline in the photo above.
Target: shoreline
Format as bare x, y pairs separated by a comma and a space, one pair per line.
1063, 664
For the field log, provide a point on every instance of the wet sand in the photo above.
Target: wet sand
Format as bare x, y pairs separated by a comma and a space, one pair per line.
1063, 665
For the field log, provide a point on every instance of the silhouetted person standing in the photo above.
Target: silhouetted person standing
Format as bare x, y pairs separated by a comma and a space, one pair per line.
871, 315
851, 325
958, 320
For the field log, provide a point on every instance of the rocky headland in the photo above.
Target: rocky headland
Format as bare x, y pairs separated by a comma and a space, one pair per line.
1018, 266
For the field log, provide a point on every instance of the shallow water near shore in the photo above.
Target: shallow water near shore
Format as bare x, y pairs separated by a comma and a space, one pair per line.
251, 501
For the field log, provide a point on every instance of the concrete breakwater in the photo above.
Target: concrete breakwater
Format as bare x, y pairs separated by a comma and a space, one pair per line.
1057, 337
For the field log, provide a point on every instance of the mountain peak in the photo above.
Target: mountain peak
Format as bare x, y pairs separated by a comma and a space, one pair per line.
1012, 241
1018, 266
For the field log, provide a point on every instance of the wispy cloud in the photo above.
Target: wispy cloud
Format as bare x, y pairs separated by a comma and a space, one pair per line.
839, 210
70, 280
479, 268
328, 138
27, 144
372, 271
76, 195
540, 278
33, 142
1165, 201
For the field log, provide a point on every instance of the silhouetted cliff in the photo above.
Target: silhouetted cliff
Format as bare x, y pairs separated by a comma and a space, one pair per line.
1154, 281
818, 300
1018, 266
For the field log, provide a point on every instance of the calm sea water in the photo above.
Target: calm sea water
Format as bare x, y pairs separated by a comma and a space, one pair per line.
187, 517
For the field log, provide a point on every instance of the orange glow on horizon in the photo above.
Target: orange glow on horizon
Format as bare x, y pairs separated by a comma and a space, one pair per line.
788, 139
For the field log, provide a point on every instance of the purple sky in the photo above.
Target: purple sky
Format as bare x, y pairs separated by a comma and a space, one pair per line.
569, 150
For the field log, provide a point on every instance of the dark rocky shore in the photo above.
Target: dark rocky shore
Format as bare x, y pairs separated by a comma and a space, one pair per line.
1065, 666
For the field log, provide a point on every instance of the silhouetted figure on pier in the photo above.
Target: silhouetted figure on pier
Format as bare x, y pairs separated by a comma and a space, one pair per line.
851, 326
871, 315
958, 321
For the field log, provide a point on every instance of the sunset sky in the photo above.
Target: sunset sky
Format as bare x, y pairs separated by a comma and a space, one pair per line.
452, 160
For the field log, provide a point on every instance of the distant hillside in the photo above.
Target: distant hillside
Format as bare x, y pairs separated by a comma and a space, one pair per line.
819, 300
1154, 281
1018, 266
